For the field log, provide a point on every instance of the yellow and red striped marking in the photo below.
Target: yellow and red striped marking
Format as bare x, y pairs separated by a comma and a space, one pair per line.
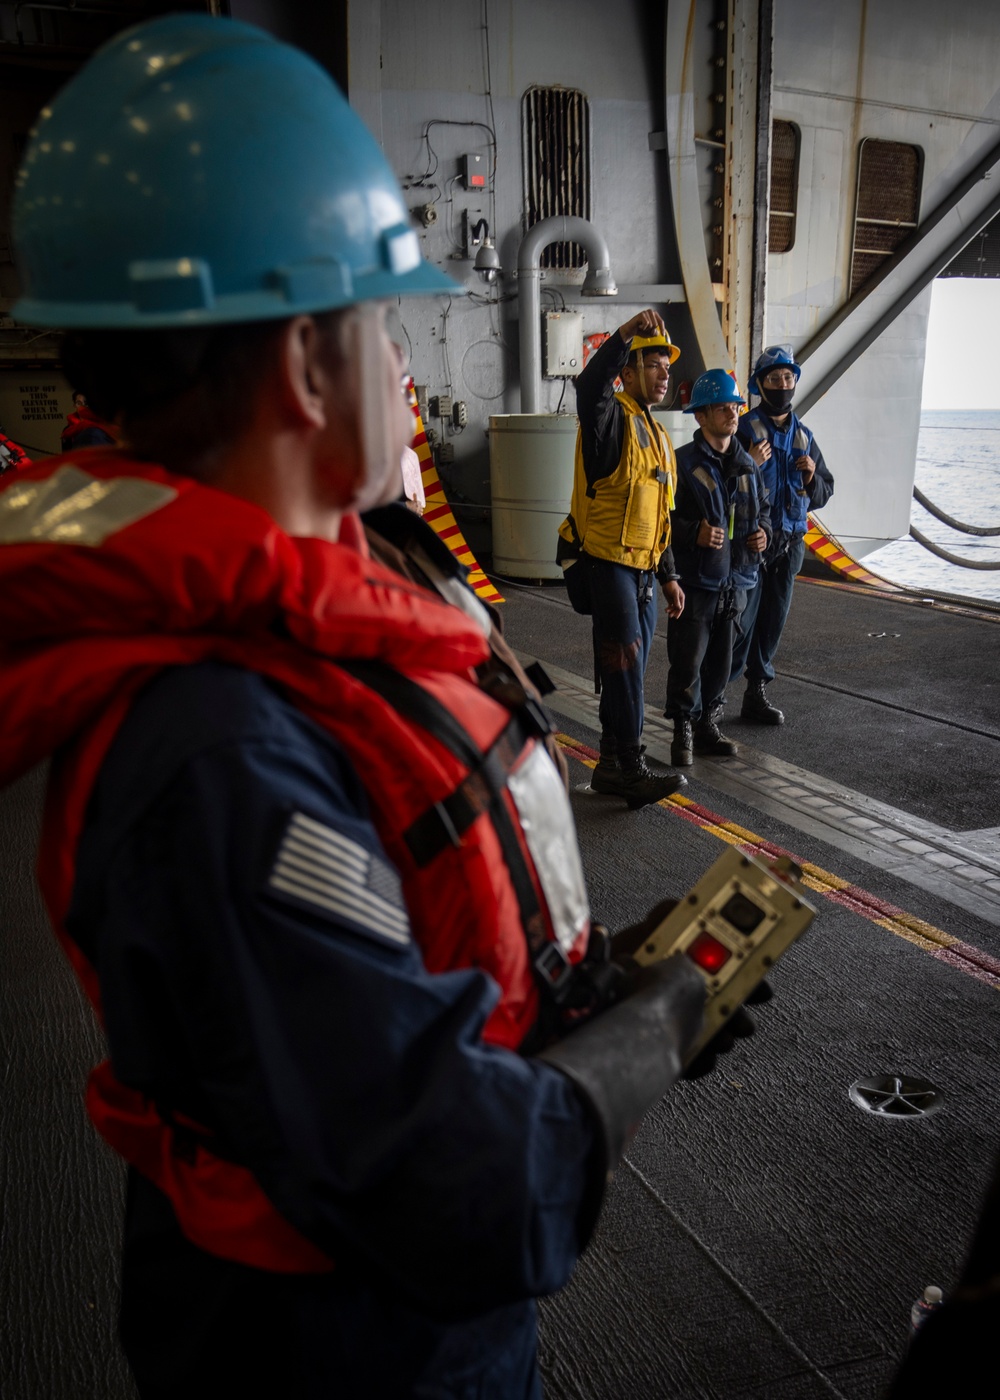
825, 547
439, 513
964, 957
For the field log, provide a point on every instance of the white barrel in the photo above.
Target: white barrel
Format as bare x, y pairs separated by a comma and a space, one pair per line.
531, 477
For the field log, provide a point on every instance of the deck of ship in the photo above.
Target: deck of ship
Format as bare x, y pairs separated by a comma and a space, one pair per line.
764, 1237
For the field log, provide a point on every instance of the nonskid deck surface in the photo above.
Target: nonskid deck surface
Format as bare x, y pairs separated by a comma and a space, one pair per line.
965, 865
764, 1236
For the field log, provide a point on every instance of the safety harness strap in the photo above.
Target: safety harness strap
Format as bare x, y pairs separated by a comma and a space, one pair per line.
444, 822
448, 819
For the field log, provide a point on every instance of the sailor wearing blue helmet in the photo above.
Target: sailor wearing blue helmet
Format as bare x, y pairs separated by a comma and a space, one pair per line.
798, 481
721, 527
316, 878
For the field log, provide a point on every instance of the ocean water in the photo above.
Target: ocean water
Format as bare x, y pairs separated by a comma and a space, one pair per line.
958, 468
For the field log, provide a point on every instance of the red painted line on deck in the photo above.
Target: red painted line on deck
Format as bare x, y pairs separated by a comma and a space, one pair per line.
964, 957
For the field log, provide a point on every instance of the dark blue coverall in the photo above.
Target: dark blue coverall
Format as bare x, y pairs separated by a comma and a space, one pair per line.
768, 604
444, 1176
624, 600
715, 581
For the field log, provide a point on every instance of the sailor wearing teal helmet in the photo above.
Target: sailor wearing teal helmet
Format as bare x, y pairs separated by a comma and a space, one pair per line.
721, 526
798, 481
295, 849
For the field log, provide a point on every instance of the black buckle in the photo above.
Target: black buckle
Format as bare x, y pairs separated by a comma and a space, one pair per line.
536, 718
554, 969
540, 678
450, 830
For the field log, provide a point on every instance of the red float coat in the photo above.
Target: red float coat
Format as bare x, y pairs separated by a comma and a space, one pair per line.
113, 571
15, 458
81, 420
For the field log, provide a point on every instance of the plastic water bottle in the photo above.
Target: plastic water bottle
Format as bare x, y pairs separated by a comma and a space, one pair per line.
929, 1301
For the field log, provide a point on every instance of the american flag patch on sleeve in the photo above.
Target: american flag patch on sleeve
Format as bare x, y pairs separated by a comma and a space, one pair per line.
326, 872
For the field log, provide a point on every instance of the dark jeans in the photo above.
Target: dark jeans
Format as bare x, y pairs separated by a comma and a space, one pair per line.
624, 617
764, 616
196, 1327
700, 651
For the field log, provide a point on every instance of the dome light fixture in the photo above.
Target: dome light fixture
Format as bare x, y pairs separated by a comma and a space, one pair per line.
487, 262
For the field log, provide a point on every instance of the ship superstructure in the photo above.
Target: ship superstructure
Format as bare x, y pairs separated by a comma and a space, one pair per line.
776, 171
761, 171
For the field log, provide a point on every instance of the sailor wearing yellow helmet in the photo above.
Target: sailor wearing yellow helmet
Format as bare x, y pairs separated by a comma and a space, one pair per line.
615, 543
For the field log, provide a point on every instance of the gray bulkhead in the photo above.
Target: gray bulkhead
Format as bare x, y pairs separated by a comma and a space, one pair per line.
902, 71
893, 71
436, 82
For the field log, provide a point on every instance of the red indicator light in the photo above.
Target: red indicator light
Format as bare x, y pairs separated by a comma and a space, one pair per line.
708, 953
477, 181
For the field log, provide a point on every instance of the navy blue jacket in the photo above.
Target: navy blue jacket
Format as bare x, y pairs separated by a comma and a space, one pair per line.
716, 488
447, 1173
790, 503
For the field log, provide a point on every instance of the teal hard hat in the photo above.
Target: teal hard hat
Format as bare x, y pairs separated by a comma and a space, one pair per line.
198, 171
773, 357
714, 386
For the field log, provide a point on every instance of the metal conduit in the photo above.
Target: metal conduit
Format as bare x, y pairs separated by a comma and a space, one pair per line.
598, 282
984, 530
952, 558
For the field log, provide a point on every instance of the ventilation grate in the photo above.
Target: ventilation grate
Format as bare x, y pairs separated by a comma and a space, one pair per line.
784, 186
887, 204
556, 130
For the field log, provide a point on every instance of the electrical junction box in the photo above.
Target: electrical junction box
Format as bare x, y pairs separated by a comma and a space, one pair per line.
563, 344
473, 172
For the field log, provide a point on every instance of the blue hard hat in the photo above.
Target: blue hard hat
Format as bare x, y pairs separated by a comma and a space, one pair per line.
196, 172
773, 357
714, 386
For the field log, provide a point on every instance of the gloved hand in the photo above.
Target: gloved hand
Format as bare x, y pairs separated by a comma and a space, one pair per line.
624, 1060
739, 1026
629, 940
627, 1057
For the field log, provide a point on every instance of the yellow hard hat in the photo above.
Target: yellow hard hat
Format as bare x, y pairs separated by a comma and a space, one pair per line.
654, 342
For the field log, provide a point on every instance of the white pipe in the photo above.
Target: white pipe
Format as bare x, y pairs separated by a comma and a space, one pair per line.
561, 228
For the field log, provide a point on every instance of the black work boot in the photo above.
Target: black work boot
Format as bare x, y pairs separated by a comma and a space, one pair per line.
756, 706
709, 740
640, 785
606, 777
680, 746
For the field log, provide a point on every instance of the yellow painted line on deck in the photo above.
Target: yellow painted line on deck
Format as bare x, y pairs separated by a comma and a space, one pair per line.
965, 957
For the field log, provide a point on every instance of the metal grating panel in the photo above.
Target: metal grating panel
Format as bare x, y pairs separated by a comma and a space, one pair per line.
784, 186
887, 205
981, 257
556, 130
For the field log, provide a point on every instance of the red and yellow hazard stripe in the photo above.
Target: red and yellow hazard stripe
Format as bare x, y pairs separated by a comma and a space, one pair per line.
439, 513
964, 957
829, 549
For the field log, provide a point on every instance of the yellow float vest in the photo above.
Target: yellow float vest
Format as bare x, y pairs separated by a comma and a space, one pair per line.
625, 517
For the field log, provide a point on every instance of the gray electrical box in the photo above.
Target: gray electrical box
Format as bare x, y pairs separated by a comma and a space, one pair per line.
563, 344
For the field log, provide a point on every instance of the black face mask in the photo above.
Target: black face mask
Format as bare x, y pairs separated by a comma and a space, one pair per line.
777, 401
